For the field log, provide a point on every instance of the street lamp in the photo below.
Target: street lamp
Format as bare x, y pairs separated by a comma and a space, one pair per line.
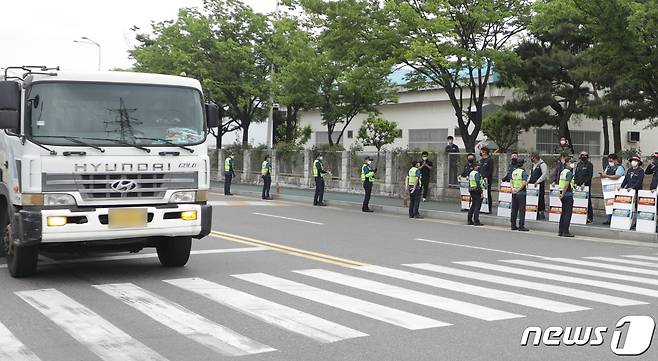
86, 40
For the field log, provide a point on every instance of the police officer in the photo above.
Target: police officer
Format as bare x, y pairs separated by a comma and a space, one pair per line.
566, 184
651, 169
266, 173
229, 173
476, 185
415, 188
635, 175
470, 162
583, 178
367, 175
425, 171
613, 170
519, 186
318, 175
486, 170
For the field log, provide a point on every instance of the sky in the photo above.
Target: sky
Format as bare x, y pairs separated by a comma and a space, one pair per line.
41, 32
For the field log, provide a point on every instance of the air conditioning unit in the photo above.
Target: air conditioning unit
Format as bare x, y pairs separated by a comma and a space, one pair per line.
633, 137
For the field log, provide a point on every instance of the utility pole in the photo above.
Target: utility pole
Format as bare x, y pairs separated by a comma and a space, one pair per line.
270, 120
86, 40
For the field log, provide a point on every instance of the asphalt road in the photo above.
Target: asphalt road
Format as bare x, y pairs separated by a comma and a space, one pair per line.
285, 281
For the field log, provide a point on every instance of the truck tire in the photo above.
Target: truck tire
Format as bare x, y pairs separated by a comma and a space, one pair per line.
21, 261
174, 251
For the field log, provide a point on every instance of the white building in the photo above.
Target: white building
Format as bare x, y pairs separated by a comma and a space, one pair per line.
427, 118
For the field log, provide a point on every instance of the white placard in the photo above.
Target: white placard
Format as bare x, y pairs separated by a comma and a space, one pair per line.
505, 200
580, 205
531, 202
646, 212
610, 187
555, 204
465, 195
623, 209
485, 202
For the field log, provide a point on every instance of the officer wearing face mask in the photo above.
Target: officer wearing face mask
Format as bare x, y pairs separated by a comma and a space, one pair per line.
426, 166
651, 169
583, 178
318, 175
564, 147
511, 167
566, 184
635, 175
367, 175
470, 161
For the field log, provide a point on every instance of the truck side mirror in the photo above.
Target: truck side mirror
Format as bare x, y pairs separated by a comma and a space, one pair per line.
10, 105
212, 115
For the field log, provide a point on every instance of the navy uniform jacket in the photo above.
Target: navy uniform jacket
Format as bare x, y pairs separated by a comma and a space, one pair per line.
634, 178
486, 168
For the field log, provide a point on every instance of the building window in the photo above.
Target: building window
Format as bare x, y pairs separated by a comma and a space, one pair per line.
322, 138
350, 134
399, 135
548, 141
428, 139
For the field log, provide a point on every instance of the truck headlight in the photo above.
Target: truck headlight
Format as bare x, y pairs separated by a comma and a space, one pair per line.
58, 200
183, 197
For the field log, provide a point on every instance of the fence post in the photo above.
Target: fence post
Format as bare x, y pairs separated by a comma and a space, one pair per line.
307, 165
246, 165
388, 179
442, 174
220, 164
345, 171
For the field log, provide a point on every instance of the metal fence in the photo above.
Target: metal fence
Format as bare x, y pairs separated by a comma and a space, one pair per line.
290, 164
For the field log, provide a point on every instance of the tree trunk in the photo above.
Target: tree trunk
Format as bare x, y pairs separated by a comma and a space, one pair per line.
606, 136
245, 132
218, 138
290, 124
616, 132
330, 132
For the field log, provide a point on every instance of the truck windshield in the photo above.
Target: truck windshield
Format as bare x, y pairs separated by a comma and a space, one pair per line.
144, 115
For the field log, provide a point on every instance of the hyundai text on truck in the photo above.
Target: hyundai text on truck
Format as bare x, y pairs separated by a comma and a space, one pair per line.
114, 161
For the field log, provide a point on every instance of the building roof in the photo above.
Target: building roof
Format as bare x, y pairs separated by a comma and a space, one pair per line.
399, 76
118, 77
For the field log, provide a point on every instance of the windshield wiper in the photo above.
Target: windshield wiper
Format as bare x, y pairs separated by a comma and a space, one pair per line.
52, 152
121, 142
169, 142
74, 140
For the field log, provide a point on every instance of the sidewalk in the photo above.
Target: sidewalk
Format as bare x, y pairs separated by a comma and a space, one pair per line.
434, 209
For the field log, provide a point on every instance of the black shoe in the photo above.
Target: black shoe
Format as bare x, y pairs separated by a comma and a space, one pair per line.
606, 223
470, 223
322, 204
523, 229
478, 224
230, 194
368, 210
568, 235
559, 234
515, 228
411, 216
419, 217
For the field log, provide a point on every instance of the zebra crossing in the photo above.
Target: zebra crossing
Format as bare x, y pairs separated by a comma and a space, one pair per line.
510, 288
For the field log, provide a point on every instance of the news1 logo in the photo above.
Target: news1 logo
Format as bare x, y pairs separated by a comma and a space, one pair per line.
637, 337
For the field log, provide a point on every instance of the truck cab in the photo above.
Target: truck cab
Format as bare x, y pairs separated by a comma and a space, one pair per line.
105, 160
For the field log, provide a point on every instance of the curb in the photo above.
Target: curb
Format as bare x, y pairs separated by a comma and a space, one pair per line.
544, 226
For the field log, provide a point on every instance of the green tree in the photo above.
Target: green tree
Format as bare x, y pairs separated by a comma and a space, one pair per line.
503, 128
451, 44
377, 132
222, 46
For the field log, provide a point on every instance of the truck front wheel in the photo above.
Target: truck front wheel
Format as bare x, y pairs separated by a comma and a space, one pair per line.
21, 261
174, 251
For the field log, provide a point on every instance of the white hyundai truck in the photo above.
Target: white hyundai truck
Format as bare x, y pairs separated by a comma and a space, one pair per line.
113, 161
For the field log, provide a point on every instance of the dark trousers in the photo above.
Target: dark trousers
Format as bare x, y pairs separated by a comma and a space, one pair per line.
518, 209
474, 210
565, 217
267, 183
228, 177
489, 194
541, 204
319, 191
367, 187
590, 211
414, 201
426, 185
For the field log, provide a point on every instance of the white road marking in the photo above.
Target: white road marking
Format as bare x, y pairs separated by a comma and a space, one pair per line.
555, 277
360, 307
272, 313
582, 271
101, 337
3, 265
240, 203
288, 218
606, 266
12, 349
499, 295
648, 258
426, 299
480, 248
50, 261
178, 318
626, 261
544, 287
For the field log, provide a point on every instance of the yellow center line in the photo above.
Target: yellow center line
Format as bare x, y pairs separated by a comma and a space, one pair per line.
289, 250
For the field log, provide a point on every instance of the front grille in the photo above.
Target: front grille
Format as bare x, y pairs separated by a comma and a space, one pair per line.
99, 186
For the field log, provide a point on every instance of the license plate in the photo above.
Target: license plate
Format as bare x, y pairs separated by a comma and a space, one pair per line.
127, 218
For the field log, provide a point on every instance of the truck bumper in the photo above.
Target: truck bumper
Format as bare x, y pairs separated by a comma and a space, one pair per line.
92, 225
